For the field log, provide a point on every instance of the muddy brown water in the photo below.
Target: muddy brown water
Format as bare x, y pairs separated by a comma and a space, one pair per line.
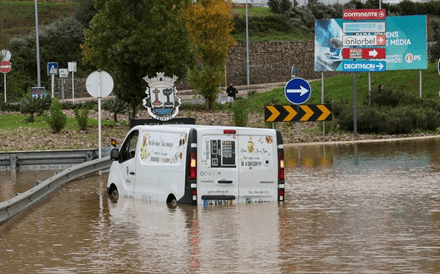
365, 208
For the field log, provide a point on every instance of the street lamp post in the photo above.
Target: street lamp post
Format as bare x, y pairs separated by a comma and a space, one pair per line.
37, 44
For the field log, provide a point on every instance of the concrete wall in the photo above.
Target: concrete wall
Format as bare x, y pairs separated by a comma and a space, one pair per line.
270, 62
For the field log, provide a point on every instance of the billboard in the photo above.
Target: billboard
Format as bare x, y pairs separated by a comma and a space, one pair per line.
406, 43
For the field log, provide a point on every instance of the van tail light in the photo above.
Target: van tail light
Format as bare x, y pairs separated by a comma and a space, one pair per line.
280, 194
194, 192
281, 166
192, 171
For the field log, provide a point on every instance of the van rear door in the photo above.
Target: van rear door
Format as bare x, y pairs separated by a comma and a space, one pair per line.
217, 180
238, 166
258, 166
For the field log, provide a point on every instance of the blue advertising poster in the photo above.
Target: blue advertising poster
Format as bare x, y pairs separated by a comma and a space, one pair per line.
406, 43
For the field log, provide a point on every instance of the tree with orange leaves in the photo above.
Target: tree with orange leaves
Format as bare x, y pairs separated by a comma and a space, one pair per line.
209, 25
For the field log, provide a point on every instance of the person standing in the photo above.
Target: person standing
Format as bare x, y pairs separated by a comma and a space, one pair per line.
231, 91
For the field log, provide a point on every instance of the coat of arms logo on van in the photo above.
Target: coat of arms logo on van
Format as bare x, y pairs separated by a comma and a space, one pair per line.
161, 101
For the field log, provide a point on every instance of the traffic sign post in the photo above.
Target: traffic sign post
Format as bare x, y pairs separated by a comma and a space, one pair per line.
297, 91
52, 70
5, 67
351, 41
64, 73
99, 84
72, 68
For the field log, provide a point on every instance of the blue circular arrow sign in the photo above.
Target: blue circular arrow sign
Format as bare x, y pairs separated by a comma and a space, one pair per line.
438, 66
297, 91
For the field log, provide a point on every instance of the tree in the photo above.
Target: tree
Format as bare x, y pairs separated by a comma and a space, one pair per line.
132, 39
434, 50
59, 42
209, 26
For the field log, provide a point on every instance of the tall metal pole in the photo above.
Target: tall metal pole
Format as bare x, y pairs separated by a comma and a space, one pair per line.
247, 44
5, 85
354, 105
37, 44
322, 102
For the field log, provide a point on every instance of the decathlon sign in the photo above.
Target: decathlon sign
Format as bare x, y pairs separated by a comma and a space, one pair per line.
363, 40
367, 66
363, 14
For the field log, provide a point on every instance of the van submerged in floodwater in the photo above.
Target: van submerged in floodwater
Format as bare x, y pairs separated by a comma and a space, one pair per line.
195, 164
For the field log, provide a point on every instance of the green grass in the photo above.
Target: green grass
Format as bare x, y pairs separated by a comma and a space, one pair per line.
254, 11
13, 121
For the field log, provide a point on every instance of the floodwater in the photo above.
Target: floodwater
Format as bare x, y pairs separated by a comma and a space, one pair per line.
364, 208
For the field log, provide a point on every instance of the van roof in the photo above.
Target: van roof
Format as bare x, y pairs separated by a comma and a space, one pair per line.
199, 127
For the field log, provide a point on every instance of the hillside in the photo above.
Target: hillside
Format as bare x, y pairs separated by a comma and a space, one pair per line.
17, 18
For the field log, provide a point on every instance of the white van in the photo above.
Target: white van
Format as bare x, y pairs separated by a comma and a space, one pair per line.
194, 164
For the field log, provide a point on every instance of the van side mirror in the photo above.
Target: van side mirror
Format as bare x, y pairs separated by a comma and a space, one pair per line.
114, 154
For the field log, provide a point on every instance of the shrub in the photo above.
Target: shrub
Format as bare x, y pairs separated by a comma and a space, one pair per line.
116, 106
57, 119
240, 114
81, 117
31, 105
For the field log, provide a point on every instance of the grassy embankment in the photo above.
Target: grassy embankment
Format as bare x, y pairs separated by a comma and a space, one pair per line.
17, 18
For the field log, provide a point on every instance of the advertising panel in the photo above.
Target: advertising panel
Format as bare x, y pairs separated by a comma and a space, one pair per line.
406, 43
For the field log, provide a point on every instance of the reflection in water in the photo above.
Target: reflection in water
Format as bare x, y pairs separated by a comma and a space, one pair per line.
14, 181
371, 209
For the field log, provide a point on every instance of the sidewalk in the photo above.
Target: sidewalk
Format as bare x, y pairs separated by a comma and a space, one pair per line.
187, 96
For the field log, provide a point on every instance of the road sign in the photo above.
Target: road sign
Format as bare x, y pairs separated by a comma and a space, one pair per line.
363, 27
364, 53
5, 54
363, 14
64, 73
363, 66
71, 66
52, 68
298, 113
438, 66
364, 40
99, 84
5, 66
38, 92
297, 91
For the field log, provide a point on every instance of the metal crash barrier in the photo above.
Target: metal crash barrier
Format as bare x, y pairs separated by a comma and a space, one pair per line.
17, 204
54, 159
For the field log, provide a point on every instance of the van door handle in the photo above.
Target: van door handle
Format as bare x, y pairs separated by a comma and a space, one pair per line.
131, 173
225, 181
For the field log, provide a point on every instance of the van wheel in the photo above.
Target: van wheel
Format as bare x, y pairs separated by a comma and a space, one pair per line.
114, 195
172, 201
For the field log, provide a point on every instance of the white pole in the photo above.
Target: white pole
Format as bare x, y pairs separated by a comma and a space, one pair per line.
52, 76
37, 44
5, 85
420, 83
99, 111
73, 91
247, 44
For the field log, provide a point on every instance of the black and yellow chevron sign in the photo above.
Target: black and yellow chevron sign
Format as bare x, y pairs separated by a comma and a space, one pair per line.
298, 113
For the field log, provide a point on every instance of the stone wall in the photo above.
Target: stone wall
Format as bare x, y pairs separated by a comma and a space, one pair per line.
269, 62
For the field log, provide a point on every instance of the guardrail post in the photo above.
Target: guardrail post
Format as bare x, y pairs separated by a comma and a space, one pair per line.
13, 159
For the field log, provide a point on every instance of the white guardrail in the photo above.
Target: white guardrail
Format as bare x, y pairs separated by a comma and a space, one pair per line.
22, 201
